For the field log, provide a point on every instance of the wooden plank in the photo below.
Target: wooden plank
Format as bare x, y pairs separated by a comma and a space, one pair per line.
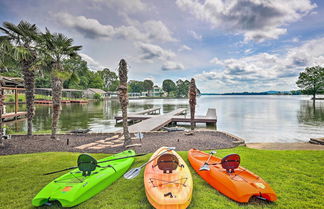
13, 88
136, 117
11, 115
146, 111
140, 115
211, 113
154, 123
197, 119
16, 101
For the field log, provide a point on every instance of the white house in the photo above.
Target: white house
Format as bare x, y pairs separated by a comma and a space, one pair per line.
90, 92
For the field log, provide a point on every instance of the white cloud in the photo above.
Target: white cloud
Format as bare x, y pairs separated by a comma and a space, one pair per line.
216, 61
195, 35
257, 20
295, 40
150, 52
265, 69
92, 64
248, 51
170, 66
184, 48
126, 6
91, 28
156, 30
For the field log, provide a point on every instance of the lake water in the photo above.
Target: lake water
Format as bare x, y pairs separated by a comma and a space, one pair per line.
254, 118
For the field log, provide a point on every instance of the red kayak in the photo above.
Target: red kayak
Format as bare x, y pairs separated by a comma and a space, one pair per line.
232, 180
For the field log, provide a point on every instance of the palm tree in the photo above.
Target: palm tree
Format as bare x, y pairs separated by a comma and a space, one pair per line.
192, 101
123, 98
57, 49
1, 110
20, 45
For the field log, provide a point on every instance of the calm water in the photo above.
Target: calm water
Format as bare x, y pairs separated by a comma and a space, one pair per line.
254, 118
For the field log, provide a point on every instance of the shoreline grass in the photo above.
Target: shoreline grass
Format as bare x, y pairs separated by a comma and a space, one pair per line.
10, 98
296, 177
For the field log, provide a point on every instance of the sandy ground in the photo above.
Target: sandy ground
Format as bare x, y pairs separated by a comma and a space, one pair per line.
285, 146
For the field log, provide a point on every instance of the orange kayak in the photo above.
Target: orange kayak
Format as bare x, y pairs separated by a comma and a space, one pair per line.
168, 181
232, 180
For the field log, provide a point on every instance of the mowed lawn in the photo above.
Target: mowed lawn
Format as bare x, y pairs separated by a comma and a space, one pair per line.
296, 176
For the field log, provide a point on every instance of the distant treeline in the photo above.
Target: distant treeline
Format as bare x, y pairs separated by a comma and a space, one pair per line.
294, 92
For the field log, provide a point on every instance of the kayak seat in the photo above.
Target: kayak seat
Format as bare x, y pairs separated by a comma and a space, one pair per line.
231, 162
86, 164
167, 163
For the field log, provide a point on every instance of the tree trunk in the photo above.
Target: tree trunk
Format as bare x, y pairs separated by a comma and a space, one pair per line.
57, 86
29, 78
123, 98
1, 110
192, 102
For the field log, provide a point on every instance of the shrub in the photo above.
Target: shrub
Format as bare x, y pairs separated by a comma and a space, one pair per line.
97, 96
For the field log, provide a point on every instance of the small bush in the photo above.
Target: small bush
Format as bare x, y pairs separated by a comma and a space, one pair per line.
97, 96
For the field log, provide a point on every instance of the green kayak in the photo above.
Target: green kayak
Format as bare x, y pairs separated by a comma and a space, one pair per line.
84, 182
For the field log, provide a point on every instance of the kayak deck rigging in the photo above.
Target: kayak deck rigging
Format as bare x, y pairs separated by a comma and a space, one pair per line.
169, 182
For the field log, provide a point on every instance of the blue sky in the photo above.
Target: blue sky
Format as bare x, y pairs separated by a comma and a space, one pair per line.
227, 45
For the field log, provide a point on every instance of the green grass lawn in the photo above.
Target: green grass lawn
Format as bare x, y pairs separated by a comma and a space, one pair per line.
296, 176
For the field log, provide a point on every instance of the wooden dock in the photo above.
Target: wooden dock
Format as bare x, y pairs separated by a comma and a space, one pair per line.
148, 111
62, 101
156, 122
12, 116
140, 115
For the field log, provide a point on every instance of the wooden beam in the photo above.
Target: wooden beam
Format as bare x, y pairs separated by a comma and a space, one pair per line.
13, 88
16, 101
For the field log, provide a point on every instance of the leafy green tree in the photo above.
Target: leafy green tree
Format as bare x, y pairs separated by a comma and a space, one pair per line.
148, 85
77, 67
57, 48
136, 86
110, 79
311, 80
20, 45
95, 80
169, 86
182, 88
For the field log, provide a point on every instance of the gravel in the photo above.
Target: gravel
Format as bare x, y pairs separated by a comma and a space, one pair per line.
203, 140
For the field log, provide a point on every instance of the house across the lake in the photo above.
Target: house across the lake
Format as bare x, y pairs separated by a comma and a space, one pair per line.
155, 92
90, 92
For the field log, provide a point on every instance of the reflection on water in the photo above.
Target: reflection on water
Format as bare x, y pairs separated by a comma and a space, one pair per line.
254, 118
311, 114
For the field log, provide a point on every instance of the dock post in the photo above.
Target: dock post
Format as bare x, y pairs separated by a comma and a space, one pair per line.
16, 100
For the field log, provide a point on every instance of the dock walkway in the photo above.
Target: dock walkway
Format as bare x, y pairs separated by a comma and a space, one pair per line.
12, 116
147, 111
154, 123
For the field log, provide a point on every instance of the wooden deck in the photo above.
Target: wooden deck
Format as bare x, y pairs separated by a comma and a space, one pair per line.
210, 117
140, 115
12, 116
62, 101
43, 101
147, 111
155, 122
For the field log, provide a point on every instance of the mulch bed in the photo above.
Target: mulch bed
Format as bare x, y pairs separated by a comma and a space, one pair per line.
203, 140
